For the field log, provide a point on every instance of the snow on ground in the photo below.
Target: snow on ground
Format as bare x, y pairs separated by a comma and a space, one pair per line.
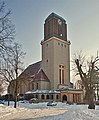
41, 111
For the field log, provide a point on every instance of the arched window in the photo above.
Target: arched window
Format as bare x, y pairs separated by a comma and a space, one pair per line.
29, 86
47, 97
42, 97
64, 98
51, 96
57, 96
36, 96
32, 86
37, 86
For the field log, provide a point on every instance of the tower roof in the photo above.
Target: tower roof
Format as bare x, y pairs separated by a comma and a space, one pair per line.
55, 15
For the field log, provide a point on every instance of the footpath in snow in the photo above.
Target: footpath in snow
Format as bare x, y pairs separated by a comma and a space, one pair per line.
41, 111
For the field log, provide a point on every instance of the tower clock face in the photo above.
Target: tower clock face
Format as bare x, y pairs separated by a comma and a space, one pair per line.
59, 22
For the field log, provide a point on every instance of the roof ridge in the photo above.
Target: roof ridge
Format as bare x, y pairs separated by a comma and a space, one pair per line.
35, 63
55, 15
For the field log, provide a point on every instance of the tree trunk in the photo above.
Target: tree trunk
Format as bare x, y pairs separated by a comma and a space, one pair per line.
91, 106
91, 100
15, 101
16, 93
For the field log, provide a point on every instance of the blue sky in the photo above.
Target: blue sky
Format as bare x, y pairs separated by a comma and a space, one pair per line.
82, 17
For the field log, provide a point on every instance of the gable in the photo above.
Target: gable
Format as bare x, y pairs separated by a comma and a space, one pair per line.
34, 72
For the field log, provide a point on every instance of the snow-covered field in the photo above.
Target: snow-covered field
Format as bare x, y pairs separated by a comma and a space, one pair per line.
41, 111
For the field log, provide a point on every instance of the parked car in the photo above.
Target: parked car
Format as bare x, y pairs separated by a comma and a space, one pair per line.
1, 102
23, 101
51, 103
97, 102
34, 100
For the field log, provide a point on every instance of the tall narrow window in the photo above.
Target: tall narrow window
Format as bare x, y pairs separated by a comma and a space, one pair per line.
32, 86
37, 85
29, 86
61, 74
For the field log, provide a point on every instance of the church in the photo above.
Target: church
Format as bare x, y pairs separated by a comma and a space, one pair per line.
49, 79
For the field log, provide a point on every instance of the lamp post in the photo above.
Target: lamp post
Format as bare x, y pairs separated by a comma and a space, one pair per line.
18, 98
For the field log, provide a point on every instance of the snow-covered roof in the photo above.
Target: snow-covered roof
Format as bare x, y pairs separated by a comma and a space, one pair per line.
69, 89
29, 92
43, 92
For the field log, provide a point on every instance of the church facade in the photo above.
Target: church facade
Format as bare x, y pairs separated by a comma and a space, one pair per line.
50, 77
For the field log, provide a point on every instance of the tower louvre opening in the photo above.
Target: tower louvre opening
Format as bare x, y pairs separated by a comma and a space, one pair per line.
55, 26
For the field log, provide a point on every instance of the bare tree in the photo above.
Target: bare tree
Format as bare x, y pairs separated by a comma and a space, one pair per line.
87, 70
7, 33
12, 66
7, 29
17, 63
10, 54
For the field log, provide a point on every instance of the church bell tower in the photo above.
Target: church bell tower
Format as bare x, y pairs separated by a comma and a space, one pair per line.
56, 52
55, 26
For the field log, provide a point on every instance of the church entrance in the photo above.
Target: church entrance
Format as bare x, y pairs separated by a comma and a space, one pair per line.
64, 98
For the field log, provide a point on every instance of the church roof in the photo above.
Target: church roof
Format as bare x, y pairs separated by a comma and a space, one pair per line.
40, 75
31, 69
34, 72
55, 15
